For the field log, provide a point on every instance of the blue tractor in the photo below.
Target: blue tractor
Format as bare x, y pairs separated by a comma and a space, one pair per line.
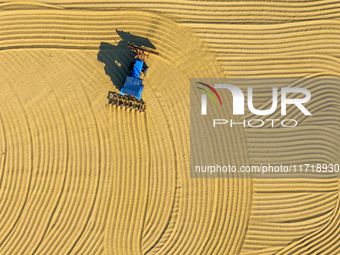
131, 94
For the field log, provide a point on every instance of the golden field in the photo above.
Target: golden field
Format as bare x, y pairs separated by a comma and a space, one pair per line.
78, 176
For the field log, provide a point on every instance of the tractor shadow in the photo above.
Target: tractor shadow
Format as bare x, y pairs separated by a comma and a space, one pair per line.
119, 59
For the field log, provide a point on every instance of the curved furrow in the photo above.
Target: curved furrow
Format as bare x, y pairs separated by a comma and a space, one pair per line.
319, 240
53, 221
3, 148
24, 170
89, 146
88, 81
118, 165
98, 168
49, 134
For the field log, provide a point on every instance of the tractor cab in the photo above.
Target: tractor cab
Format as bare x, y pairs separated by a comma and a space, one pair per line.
133, 85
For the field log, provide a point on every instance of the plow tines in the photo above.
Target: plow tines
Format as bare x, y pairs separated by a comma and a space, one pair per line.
126, 101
